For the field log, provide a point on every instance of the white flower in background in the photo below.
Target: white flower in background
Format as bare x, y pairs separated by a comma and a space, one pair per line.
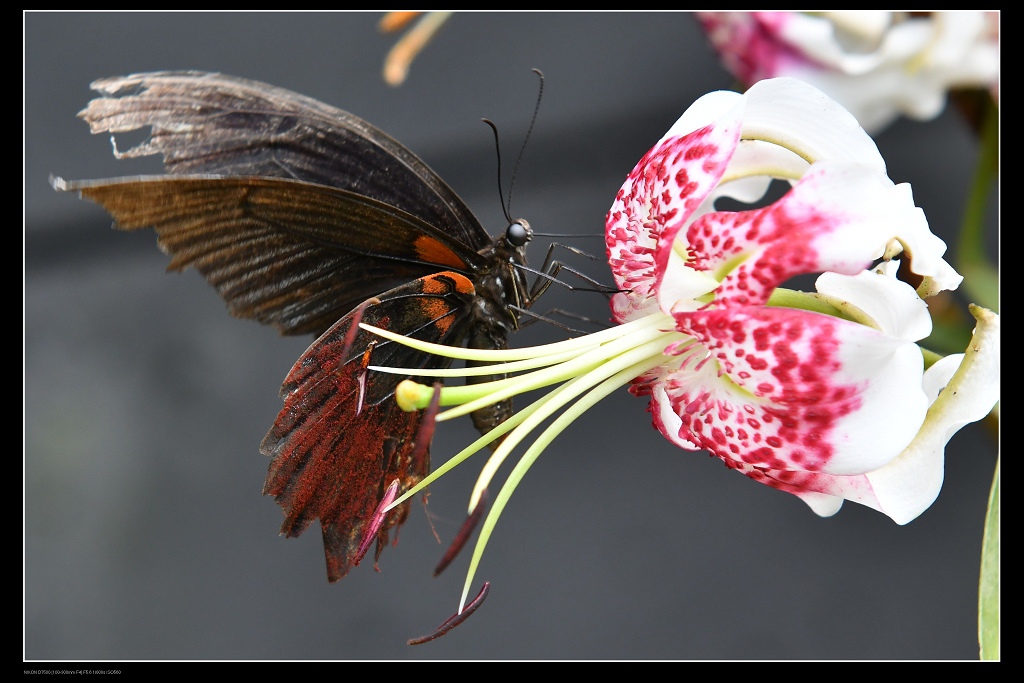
877, 64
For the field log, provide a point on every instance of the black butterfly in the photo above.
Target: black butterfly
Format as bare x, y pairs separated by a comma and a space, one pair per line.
298, 212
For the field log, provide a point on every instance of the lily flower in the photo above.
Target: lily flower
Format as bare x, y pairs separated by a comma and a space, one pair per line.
878, 64
821, 394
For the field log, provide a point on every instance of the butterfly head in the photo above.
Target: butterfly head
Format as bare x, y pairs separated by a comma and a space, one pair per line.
518, 233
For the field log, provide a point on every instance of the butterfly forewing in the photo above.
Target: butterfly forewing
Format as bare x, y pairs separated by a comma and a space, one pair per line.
217, 124
290, 254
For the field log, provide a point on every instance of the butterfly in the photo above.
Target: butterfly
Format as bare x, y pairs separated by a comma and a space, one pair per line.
309, 219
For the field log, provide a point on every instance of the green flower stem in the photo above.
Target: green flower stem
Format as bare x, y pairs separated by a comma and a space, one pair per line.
981, 283
988, 592
981, 278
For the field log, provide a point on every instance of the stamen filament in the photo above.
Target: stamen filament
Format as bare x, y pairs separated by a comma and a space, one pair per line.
646, 342
497, 368
502, 355
493, 392
623, 376
464, 454
589, 369
558, 398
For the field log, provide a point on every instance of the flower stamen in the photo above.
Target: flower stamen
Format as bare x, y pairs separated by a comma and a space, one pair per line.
377, 520
456, 618
463, 534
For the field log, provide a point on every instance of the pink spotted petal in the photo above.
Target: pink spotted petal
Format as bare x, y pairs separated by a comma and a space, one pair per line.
962, 388
786, 114
787, 389
664, 189
838, 218
667, 416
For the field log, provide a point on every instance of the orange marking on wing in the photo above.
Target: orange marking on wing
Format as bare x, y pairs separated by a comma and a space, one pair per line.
437, 311
429, 249
442, 283
447, 281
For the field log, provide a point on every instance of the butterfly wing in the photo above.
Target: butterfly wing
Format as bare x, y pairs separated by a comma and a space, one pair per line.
208, 123
287, 253
340, 440
296, 212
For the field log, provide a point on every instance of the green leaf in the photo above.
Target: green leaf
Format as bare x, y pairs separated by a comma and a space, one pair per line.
988, 589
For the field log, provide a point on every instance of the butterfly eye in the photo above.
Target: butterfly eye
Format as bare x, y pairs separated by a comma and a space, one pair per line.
519, 233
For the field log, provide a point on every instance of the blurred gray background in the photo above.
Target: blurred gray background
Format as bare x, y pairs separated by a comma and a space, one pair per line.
145, 533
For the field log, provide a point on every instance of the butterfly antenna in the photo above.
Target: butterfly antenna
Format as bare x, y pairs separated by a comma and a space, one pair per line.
533, 120
506, 204
497, 146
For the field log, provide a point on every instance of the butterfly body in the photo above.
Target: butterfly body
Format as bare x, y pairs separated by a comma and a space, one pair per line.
298, 213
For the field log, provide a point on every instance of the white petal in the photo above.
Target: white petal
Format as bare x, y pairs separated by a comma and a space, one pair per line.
868, 212
821, 503
925, 248
756, 158
815, 37
908, 485
879, 300
893, 404
937, 377
839, 217
802, 118
867, 25
943, 277
704, 111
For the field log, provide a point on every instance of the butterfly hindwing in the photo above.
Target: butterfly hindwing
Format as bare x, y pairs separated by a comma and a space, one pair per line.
341, 438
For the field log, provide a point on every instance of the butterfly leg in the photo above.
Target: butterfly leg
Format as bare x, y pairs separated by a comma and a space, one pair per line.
548, 275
